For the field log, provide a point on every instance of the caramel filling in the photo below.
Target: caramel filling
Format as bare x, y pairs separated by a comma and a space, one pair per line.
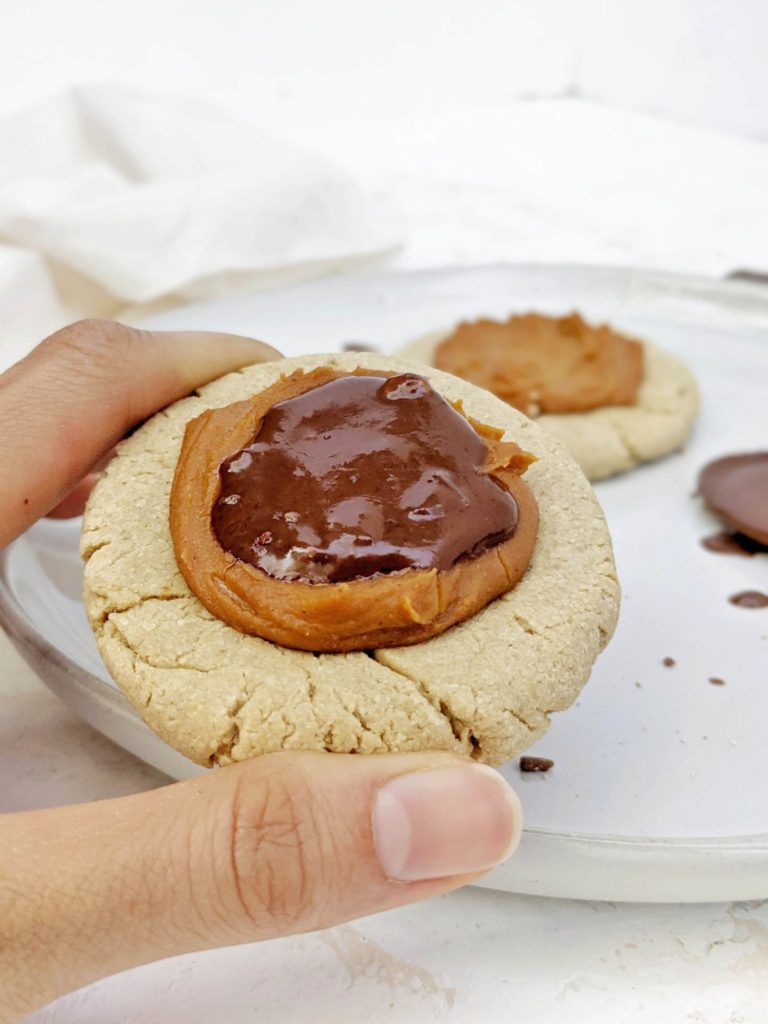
347, 511
542, 364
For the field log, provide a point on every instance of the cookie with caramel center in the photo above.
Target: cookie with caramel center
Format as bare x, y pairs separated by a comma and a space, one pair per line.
635, 422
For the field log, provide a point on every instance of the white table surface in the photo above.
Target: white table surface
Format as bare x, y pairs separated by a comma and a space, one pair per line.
476, 955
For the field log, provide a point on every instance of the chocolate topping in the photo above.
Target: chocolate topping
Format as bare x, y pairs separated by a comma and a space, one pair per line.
726, 543
360, 476
736, 489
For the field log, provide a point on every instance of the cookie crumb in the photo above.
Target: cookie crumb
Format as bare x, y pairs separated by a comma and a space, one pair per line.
716, 681
528, 763
668, 662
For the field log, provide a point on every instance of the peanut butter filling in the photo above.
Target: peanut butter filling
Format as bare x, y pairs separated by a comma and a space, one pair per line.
542, 364
337, 512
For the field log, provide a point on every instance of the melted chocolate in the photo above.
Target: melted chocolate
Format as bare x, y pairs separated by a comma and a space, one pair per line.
736, 489
359, 476
749, 599
725, 543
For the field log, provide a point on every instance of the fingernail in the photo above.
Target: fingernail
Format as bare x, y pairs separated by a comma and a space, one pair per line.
448, 821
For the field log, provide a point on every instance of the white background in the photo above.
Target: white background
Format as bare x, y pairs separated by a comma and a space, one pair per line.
584, 131
288, 63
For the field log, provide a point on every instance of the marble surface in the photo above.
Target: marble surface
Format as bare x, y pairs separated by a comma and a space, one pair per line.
472, 956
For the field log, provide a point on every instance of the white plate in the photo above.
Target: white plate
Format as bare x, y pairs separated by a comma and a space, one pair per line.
660, 788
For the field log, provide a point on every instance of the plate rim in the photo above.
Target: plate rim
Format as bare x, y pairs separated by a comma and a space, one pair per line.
755, 292
753, 296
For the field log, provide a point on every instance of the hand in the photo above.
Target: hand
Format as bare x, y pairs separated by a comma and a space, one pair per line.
285, 843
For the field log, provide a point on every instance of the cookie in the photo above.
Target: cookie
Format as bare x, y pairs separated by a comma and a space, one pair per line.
616, 438
485, 688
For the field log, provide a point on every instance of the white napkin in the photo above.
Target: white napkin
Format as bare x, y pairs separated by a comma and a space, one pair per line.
110, 197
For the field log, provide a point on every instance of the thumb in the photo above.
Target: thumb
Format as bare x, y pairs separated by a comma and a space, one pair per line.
74, 396
285, 843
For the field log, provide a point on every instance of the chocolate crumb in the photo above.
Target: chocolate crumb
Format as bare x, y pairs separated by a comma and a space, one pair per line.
727, 543
528, 763
26, 501
358, 346
668, 662
716, 681
747, 275
749, 599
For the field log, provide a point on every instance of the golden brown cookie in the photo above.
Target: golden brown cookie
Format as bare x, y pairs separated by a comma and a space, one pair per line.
485, 687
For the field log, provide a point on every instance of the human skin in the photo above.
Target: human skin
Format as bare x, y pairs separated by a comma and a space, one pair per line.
285, 843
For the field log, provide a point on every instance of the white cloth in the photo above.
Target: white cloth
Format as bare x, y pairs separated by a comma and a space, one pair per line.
110, 197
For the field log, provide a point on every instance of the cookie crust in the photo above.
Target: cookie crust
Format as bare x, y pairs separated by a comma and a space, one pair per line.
485, 687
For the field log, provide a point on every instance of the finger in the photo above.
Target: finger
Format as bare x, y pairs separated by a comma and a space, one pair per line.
74, 503
76, 395
282, 844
